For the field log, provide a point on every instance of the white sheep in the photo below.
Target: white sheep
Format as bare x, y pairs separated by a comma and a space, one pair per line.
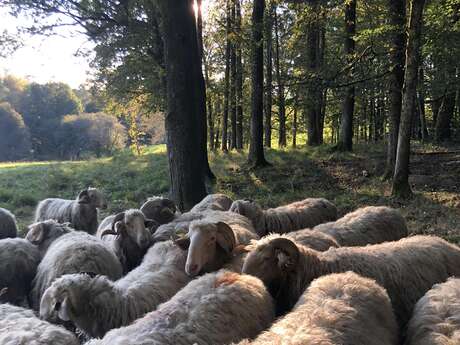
313, 239
43, 234
176, 228
217, 308
108, 304
81, 213
366, 225
128, 235
213, 202
18, 264
8, 225
436, 317
211, 241
19, 326
162, 210
406, 268
295, 216
74, 252
337, 309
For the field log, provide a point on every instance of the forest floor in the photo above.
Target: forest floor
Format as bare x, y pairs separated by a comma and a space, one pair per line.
350, 180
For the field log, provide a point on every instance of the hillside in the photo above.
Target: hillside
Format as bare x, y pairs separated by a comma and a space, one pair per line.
349, 180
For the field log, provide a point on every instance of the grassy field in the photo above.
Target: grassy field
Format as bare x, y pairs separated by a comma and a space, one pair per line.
349, 180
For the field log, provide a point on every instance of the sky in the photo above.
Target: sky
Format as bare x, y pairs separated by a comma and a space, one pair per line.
44, 59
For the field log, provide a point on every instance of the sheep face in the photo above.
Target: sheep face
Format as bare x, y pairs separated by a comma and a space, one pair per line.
209, 245
135, 226
159, 209
271, 261
92, 196
42, 234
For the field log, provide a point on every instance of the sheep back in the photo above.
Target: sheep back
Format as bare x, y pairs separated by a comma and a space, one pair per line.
214, 202
217, 308
18, 264
436, 317
20, 326
8, 225
73, 253
313, 239
367, 225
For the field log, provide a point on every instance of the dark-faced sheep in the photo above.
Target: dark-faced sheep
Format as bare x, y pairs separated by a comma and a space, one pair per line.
367, 225
436, 317
337, 309
213, 202
19, 326
8, 225
81, 213
298, 215
74, 252
407, 268
218, 308
159, 209
128, 235
108, 304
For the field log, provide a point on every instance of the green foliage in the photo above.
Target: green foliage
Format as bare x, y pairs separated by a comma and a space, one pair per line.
14, 135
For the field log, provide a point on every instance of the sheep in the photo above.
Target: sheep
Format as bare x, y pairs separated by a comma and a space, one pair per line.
18, 264
131, 236
42, 234
8, 225
80, 213
215, 202
176, 228
436, 317
74, 252
161, 210
298, 215
336, 309
367, 225
210, 241
313, 239
406, 268
19, 326
217, 308
110, 304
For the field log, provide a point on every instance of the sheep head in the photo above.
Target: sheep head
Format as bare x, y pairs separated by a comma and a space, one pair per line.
159, 209
272, 259
132, 224
42, 234
251, 210
209, 245
93, 197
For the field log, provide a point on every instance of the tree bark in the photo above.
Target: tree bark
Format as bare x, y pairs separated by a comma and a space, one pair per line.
401, 187
346, 126
239, 79
280, 89
269, 75
256, 147
186, 103
227, 83
444, 118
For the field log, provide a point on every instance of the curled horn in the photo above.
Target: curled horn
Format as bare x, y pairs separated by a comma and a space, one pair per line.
225, 237
288, 247
119, 217
3, 291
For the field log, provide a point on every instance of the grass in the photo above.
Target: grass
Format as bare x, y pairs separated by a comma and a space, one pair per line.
128, 180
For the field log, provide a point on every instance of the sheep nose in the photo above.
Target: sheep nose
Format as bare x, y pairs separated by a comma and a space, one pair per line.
192, 269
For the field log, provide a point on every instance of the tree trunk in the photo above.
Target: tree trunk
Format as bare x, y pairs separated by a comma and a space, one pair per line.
444, 119
227, 83
239, 79
217, 128
346, 126
186, 103
401, 187
421, 104
280, 82
256, 147
269, 75
210, 125
294, 122
233, 85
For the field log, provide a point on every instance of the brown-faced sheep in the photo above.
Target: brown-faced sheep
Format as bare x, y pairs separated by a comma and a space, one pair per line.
217, 308
81, 213
436, 317
298, 215
8, 225
407, 268
337, 309
367, 225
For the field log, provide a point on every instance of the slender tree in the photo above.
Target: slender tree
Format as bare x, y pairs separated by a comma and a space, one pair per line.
239, 78
227, 81
280, 88
256, 147
401, 187
397, 16
233, 76
346, 126
269, 74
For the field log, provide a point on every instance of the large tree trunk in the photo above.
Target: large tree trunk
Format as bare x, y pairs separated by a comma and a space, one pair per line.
401, 185
239, 79
346, 126
256, 147
186, 103
269, 75
227, 82
280, 82
397, 12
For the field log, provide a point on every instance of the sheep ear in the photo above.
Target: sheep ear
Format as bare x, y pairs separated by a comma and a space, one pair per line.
286, 252
225, 237
183, 243
63, 312
83, 197
37, 233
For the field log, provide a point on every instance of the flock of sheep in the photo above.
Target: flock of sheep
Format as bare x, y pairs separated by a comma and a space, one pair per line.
226, 272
